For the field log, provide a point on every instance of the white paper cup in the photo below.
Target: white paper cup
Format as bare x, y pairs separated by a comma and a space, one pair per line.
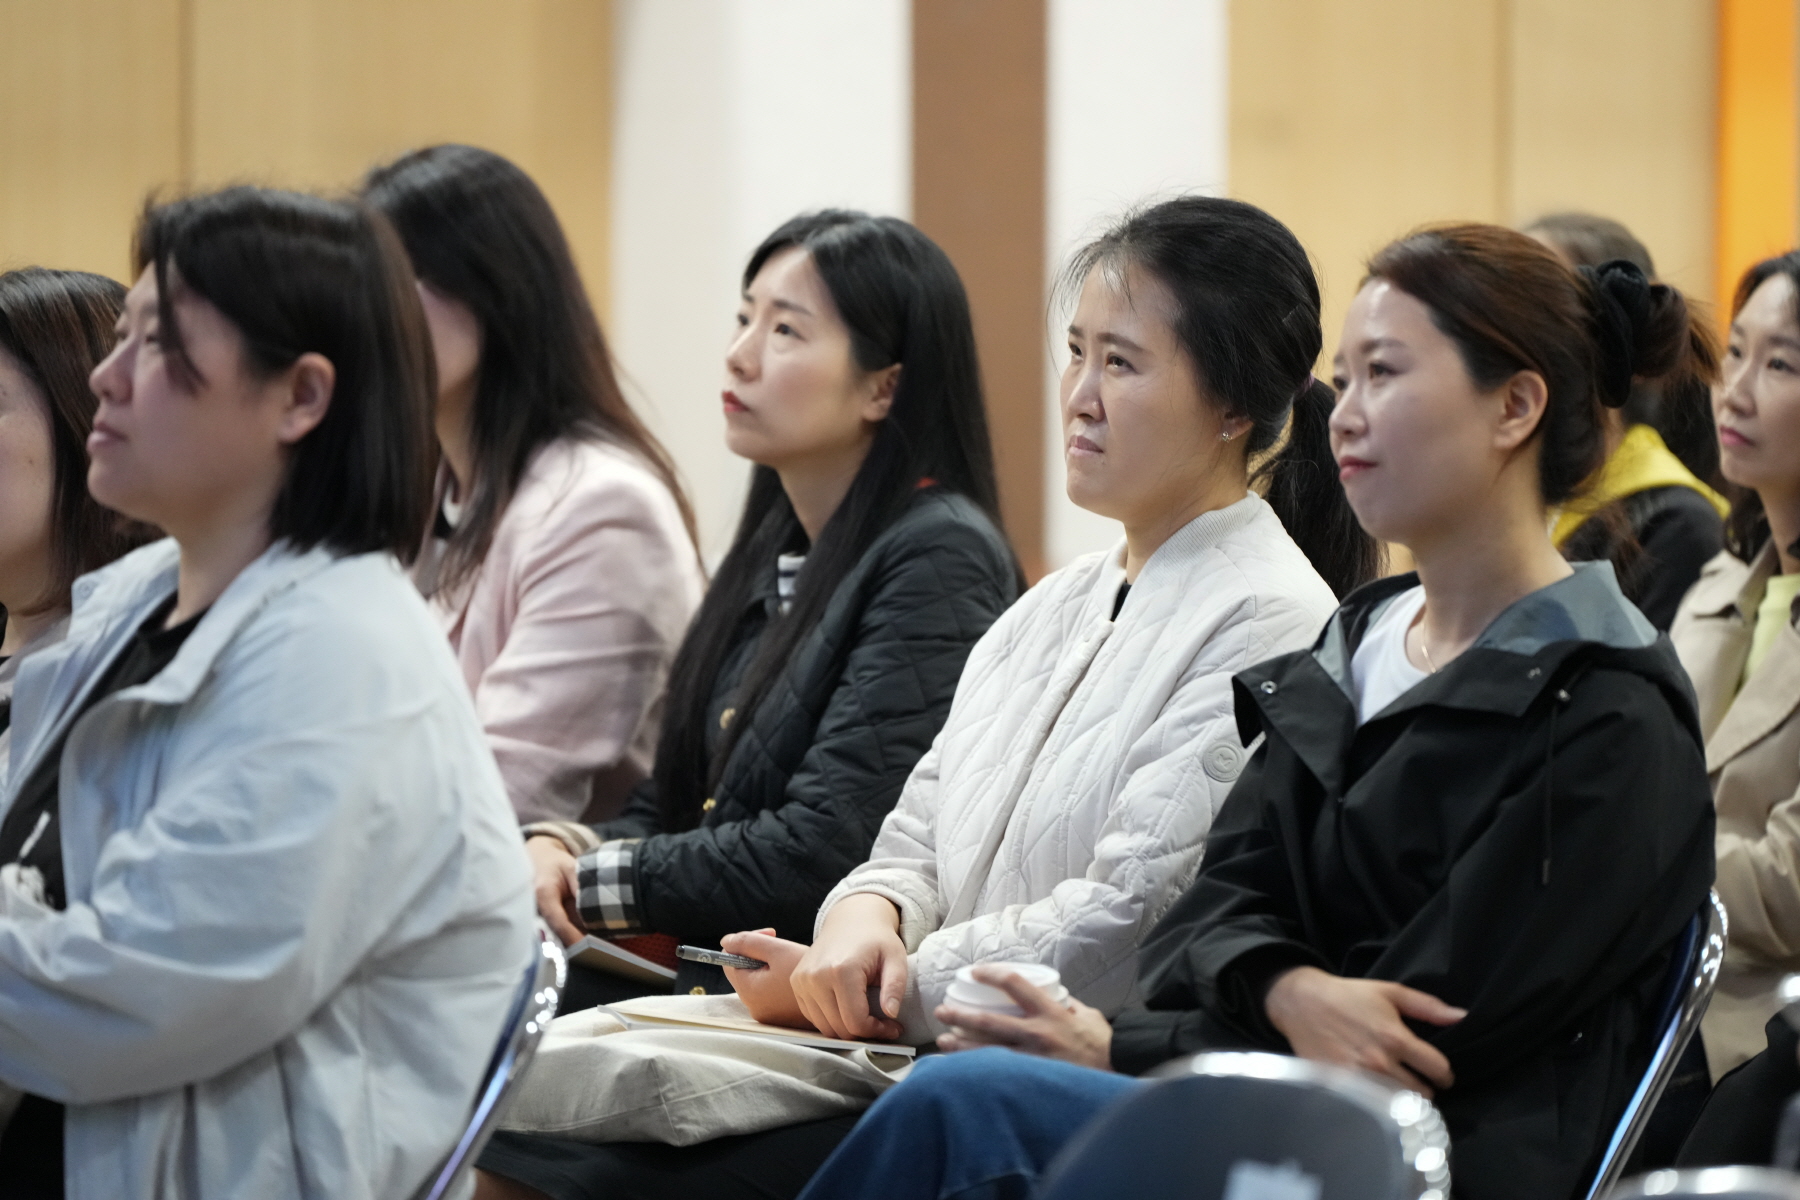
965, 992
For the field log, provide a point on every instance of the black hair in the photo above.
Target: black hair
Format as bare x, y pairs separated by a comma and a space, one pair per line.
903, 303
1679, 409
1747, 527
298, 274
1247, 305
1512, 305
57, 326
479, 231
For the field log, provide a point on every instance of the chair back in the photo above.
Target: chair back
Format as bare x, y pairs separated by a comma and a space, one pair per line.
1692, 973
533, 1008
1725, 1183
1237, 1126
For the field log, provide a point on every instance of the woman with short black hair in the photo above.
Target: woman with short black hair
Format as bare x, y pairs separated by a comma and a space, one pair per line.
259, 883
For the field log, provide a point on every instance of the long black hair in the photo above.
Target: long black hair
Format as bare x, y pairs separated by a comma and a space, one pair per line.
903, 303
1248, 319
1747, 528
480, 232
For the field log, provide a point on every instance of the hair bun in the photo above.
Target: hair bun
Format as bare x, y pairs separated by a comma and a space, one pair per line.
1622, 309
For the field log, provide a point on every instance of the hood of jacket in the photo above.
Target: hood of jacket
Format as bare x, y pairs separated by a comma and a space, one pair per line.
1537, 641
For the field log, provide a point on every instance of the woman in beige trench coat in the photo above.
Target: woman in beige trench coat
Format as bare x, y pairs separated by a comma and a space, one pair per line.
1735, 633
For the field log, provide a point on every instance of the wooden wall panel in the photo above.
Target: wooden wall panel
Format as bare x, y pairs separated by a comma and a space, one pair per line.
1627, 131
90, 119
978, 190
1355, 120
310, 93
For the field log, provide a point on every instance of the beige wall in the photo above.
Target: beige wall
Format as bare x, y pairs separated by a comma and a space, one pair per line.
102, 100
1354, 120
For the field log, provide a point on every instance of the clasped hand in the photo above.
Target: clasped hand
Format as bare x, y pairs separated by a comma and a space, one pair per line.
847, 984
1362, 1023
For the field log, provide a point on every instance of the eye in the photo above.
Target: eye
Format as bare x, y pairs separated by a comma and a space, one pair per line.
743, 320
1378, 369
1734, 351
1074, 350
1113, 360
1779, 364
1339, 383
786, 329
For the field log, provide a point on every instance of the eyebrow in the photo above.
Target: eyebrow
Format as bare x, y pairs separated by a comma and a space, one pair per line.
1370, 345
779, 303
1116, 339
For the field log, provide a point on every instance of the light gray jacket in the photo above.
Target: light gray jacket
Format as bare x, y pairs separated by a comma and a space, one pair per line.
298, 904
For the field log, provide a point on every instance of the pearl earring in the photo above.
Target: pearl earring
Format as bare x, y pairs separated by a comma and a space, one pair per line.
1226, 435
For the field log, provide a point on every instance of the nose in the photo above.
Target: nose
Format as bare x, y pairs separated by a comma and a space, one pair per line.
740, 356
1081, 393
110, 381
1347, 415
1734, 385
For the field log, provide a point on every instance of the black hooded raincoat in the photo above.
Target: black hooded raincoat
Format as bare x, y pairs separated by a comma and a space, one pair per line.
1524, 834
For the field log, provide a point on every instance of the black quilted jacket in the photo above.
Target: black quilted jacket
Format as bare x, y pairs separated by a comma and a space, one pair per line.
808, 783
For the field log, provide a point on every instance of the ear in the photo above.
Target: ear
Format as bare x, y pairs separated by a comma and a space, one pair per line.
881, 399
309, 386
1523, 399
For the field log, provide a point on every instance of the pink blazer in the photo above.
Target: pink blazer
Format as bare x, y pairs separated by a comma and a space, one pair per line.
566, 632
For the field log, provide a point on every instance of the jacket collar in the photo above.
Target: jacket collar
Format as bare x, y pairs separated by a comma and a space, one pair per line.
1309, 696
1171, 566
1730, 592
112, 604
1728, 587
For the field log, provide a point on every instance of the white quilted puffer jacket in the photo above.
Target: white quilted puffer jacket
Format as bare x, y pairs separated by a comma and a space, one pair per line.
1065, 803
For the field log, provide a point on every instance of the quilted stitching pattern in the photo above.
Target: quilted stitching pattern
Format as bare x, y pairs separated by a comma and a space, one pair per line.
1114, 801
827, 753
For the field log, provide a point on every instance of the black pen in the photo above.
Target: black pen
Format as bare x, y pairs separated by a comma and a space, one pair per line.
718, 958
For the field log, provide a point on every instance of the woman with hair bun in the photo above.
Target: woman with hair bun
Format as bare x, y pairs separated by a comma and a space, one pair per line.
1403, 878
54, 326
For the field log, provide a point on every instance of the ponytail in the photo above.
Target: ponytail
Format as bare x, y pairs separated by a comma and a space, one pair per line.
1300, 482
1249, 322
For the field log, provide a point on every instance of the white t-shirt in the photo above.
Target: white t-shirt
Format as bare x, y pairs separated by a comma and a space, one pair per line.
1379, 668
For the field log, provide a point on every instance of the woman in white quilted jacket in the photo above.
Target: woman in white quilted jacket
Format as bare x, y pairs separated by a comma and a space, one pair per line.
1065, 804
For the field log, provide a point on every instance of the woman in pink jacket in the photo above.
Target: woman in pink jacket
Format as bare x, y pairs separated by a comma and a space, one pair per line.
563, 561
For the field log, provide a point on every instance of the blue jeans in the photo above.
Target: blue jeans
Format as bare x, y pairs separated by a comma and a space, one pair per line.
978, 1125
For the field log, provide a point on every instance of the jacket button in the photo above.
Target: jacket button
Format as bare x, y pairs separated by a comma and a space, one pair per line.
696, 991
725, 718
1268, 687
1534, 673
708, 804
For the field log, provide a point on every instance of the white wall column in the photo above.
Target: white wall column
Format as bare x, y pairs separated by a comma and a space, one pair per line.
1137, 110
730, 117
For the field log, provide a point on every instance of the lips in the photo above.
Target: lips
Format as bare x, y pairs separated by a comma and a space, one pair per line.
1350, 466
103, 435
1731, 437
1081, 445
733, 404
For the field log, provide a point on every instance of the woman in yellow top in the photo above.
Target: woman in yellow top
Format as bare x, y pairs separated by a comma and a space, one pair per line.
1736, 636
1649, 509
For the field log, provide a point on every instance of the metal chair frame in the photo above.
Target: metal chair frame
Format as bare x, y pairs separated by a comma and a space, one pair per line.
530, 1015
1421, 1143
1742, 1183
1692, 977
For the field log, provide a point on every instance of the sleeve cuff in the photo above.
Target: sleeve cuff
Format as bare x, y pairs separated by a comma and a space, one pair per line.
608, 895
577, 838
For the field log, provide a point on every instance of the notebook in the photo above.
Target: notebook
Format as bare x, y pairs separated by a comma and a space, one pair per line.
603, 955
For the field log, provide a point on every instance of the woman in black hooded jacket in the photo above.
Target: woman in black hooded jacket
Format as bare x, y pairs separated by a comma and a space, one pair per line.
1479, 818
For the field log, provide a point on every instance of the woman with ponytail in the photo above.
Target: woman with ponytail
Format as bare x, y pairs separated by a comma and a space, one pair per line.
1404, 878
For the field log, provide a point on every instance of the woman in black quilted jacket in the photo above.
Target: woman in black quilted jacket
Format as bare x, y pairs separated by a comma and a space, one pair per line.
868, 560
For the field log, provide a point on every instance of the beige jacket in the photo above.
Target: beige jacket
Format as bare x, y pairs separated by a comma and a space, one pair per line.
566, 633
1753, 758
